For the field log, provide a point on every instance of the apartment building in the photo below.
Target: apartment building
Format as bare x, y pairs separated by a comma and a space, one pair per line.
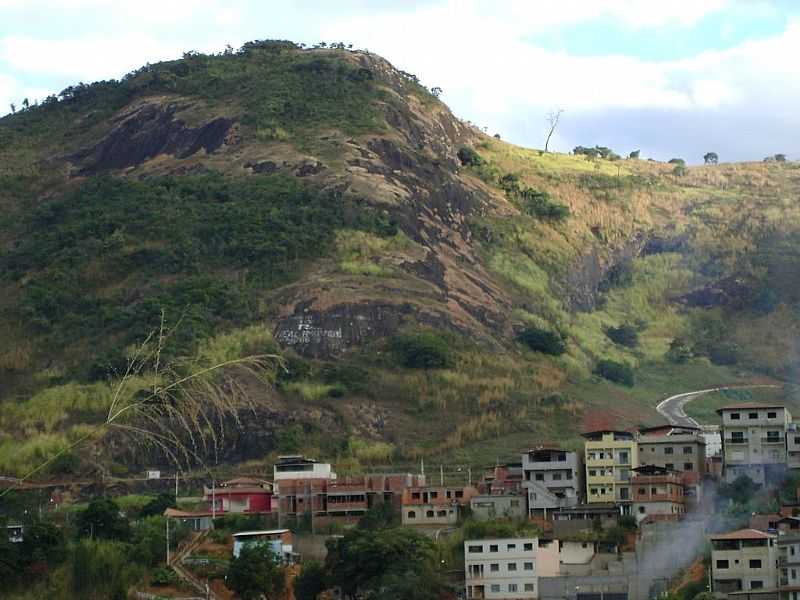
550, 477
744, 561
609, 457
680, 449
501, 569
789, 566
793, 446
658, 494
434, 505
754, 441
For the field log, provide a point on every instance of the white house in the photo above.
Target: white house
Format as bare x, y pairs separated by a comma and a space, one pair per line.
501, 569
278, 541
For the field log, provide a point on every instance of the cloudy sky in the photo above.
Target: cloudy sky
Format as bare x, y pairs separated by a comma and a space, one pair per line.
674, 78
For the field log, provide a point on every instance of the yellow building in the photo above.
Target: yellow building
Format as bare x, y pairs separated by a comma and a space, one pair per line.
609, 457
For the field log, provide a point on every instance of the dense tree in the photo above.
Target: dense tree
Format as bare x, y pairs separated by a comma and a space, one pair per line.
615, 371
375, 564
256, 573
624, 335
422, 350
469, 158
158, 505
710, 158
680, 351
542, 340
310, 582
634, 155
103, 519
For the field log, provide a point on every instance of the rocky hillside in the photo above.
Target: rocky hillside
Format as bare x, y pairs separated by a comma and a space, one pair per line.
432, 291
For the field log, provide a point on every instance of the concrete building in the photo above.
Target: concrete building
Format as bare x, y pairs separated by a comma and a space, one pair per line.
295, 466
789, 566
609, 457
658, 494
744, 561
504, 569
681, 449
506, 506
434, 505
754, 440
550, 479
502, 479
793, 446
277, 541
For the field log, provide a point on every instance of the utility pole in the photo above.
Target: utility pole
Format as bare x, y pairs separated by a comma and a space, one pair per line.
176, 486
167, 541
441, 475
213, 500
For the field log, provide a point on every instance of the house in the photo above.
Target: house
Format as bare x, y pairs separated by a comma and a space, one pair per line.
508, 506
502, 479
278, 541
15, 533
434, 505
609, 457
754, 441
550, 479
744, 561
679, 449
501, 568
296, 466
197, 521
242, 495
658, 494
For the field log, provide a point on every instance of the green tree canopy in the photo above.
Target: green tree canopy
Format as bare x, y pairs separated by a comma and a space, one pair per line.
255, 572
102, 519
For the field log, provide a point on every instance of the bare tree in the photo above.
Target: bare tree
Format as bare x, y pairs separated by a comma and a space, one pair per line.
13, 108
552, 120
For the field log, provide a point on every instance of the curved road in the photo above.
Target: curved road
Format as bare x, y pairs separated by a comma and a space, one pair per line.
672, 408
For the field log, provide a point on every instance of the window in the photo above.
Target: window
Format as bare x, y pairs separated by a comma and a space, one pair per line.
528, 587
494, 567
539, 476
441, 513
459, 493
623, 493
495, 587
569, 475
755, 563
723, 564
512, 566
556, 476
772, 415
623, 458
687, 466
641, 510
527, 547
434, 494
515, 504
474, 549
429, 513
670, 466
415, 495
512, 547
687, 450
412, 514
756, 584
592, 473
735, 416
512, 587
493, 548
593, 491
642, 491
669, 450
752, 416
528, 566
737, 436
448, 493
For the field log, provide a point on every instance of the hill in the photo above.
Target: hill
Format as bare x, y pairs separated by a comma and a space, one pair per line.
432, 291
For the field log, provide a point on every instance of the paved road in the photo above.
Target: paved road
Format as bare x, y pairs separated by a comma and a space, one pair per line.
672, 408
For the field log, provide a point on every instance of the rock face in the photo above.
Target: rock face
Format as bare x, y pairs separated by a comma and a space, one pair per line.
327, 333
147, 131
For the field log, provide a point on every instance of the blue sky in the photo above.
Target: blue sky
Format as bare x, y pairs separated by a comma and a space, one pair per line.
674, 78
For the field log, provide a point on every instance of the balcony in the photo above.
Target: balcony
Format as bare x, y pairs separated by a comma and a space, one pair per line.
772, 440
736, 441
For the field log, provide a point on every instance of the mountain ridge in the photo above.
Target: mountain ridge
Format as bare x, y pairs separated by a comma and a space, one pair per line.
321, 204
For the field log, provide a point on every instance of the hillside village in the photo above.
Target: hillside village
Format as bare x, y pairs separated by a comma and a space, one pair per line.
601, 524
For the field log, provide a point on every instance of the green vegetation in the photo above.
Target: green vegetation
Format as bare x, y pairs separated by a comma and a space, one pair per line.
422, 350
542, 340
624, 335
615, 371
255, 573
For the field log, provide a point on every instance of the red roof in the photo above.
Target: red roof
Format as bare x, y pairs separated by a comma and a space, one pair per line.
743, 534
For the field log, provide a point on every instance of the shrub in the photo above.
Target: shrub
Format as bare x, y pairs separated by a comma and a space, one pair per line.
680, 170
676, 161
310, 582
680, 351
469, 158
634, 155
542, 340
710, 158
422, 350
624, 335
163, 576
615, 371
